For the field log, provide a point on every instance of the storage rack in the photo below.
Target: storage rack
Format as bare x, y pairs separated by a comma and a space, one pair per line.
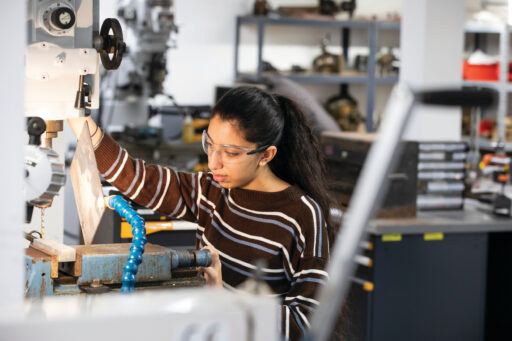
502, 86
370, 79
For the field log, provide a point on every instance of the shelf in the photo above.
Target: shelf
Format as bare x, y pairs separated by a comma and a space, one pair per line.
290, 21
308, 77
484, 28
323, 78
390, 25
387, 80
486, 144
491, 145
495, 85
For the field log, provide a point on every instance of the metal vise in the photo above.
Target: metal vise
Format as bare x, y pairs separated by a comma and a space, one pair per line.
98, 268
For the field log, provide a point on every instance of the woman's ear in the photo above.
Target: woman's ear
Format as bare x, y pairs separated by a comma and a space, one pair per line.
267, 155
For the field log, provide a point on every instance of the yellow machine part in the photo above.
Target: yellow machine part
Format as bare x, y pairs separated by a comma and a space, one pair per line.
151, 227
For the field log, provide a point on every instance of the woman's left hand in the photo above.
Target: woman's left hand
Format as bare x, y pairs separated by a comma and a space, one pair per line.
213, 273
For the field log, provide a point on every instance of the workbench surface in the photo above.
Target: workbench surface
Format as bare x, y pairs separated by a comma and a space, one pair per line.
470, 219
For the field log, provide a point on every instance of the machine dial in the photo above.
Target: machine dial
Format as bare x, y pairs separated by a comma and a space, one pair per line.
63, 18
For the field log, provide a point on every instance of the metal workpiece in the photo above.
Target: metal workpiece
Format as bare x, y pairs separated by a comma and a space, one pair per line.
185, 258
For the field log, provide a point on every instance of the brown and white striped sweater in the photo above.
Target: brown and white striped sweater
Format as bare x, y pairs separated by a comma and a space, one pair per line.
286, 229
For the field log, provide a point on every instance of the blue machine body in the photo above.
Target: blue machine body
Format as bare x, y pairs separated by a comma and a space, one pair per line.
108, 264
105, 263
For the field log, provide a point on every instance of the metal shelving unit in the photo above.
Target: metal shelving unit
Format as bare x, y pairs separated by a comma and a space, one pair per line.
369, 78
502, 86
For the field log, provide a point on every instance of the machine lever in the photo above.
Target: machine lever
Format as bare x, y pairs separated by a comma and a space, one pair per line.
36, 126
465, 98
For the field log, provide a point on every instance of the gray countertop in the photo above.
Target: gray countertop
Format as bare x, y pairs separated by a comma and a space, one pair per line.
471, 219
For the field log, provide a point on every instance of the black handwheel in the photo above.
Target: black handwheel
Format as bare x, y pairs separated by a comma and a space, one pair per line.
112, 44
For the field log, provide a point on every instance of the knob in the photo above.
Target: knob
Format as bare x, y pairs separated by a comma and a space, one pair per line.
63, 18
36, 126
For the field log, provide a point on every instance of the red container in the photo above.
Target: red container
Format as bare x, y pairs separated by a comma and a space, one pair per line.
483, 72
480, 72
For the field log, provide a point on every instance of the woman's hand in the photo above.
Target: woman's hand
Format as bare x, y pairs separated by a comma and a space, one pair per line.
213, 273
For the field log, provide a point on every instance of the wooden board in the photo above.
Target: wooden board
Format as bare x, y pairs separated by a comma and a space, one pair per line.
87, 186
121, 248
64, 253
53, 258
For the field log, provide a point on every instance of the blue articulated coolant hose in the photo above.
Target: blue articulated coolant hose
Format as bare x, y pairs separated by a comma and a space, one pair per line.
139, 240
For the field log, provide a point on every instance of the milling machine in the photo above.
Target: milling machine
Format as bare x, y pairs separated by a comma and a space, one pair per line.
149, 26
64, 46
62, 81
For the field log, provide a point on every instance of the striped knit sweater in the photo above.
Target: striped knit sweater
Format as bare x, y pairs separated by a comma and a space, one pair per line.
286, 229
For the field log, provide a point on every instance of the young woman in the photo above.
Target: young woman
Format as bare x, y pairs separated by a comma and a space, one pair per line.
265, 197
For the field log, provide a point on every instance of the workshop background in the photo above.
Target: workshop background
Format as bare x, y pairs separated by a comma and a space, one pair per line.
433, 264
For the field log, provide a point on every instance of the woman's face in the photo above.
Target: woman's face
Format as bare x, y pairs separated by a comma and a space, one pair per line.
227, 156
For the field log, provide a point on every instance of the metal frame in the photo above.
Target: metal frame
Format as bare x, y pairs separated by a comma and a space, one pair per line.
371, 80
383, 155
370, 188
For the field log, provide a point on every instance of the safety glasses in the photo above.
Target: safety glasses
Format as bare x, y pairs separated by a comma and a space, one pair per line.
228, 153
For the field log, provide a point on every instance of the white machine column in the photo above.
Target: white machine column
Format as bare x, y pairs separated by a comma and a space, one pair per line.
431, 40
12, 205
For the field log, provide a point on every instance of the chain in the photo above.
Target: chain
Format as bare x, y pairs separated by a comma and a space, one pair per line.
42, 222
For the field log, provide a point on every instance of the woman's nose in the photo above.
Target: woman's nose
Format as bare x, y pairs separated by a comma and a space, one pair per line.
214, 160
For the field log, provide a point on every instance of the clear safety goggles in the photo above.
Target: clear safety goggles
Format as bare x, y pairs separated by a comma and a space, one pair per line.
228, 153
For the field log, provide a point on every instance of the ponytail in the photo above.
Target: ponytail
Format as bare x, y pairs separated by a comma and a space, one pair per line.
299, 160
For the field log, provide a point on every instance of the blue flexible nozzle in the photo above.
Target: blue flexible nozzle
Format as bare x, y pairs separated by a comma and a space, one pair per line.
139, 240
